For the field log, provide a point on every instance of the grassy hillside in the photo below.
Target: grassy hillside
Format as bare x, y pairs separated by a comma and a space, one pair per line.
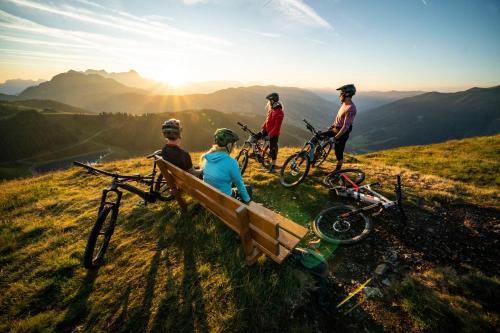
170, 272
474, 161
43, 134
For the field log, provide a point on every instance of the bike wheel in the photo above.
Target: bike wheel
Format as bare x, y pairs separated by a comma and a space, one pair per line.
162, 189
294, 170
266, 158
99, 237
324, 154
332, 227
335, 178
242, 159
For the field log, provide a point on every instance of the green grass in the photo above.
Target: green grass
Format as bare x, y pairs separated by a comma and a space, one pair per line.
473, 161
170, 272
439, 300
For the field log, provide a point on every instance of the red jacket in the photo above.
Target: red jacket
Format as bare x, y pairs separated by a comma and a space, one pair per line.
274, 118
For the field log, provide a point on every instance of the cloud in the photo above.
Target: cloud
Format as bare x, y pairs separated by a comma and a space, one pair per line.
424, 2
299, 11
264, 34
194, 2
125, 22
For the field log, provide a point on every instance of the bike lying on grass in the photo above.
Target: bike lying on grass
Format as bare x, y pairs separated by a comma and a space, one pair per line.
104, 226
254, 147
346, 225
314, 153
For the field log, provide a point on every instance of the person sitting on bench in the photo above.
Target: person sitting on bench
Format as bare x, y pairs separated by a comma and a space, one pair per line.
172, 152
221, 170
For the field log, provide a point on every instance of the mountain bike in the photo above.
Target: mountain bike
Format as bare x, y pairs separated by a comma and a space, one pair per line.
104, 226
313, 153
342, 224
254, 147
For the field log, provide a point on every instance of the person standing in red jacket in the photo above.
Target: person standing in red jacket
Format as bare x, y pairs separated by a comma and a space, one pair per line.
272, 126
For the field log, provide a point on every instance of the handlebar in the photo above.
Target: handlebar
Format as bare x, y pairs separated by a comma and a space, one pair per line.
310, 127
158, 152
245, 128
106, 173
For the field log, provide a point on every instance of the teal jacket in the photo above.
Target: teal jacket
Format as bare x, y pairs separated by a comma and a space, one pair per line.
222, 171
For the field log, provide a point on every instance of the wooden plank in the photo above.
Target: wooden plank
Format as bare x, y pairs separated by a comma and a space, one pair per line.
283, 253
174, 189
225, 215
260, 220
245, 234
288, 240
284, 223
269, 243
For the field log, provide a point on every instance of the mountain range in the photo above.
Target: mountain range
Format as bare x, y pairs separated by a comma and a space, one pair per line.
428, 118
99, 94
15, 86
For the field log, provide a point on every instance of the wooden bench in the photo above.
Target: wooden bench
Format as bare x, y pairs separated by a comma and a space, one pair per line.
261, 230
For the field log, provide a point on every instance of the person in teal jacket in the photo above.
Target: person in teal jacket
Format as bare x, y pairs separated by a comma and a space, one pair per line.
220, 169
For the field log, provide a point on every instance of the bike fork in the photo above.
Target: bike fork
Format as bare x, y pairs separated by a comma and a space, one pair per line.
104, 198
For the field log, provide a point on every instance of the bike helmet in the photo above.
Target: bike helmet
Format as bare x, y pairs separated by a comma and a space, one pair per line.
347, 90
225, 136
273, 97
172, 129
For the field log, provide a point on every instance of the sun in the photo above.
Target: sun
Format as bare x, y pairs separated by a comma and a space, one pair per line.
170, 76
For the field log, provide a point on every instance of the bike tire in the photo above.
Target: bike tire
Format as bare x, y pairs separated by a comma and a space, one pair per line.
266, 158
333, 178
90, 260
242, 159
328, 225
326, 151
162, 190
288, 162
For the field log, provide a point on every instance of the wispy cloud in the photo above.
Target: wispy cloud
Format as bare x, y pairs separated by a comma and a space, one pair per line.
299, 11
264, 34
124, 22
424, 2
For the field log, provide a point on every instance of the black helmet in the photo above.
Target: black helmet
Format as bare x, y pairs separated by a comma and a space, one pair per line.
172, 129
225, 136
347, 90
273, 97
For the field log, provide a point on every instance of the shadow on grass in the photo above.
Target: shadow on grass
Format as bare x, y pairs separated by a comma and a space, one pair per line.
78, 305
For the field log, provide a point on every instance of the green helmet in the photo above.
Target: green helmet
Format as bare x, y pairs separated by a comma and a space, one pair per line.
172, 129
347, 90
225, 136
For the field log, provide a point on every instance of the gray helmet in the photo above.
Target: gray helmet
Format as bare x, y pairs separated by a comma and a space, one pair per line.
172, 129
347, 90
273, 97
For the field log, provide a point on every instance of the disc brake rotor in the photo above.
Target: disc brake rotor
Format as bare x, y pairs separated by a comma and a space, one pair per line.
341, 225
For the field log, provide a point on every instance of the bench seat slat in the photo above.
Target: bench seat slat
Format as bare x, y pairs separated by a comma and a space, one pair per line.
288, 240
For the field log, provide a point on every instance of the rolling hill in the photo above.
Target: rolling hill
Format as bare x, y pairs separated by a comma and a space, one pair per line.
167, 271
99, 94
428, 118
40, 133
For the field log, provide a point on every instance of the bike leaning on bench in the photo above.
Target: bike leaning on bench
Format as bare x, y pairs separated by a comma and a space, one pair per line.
104, 226
313, 153
342, 224
254, 147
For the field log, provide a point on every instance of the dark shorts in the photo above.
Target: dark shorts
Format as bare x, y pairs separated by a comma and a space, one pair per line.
340, 145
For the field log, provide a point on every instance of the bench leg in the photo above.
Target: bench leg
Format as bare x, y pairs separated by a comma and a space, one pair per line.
251, 259
251, 253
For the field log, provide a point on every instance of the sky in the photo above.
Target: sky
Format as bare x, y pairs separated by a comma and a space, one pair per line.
377, 45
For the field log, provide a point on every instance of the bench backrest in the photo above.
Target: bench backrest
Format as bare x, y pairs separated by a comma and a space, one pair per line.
261, 230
